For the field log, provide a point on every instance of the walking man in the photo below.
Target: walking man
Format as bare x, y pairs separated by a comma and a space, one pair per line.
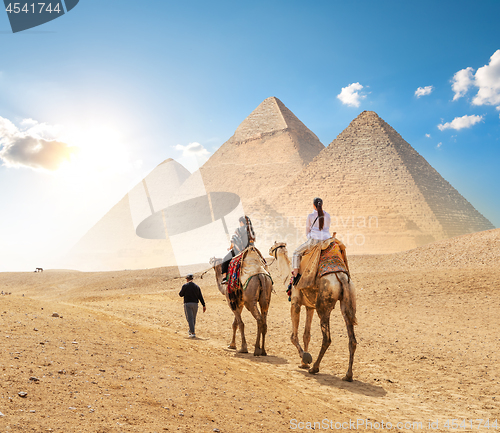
191, 293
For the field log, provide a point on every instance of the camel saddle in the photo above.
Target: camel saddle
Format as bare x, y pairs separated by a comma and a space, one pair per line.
324, 258
252, 264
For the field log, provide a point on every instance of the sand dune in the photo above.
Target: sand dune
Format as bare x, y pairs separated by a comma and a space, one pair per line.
480, 249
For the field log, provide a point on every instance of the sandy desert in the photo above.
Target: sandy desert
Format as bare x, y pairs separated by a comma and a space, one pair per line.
117, 359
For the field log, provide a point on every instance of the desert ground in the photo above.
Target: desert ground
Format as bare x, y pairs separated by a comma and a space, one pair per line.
117, 359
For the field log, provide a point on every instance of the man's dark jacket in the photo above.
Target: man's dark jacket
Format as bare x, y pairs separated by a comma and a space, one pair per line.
191, 293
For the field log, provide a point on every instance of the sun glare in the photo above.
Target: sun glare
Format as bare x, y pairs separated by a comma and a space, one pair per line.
101, 151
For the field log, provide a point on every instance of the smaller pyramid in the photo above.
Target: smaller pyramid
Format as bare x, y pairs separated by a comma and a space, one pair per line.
167, 219
383, 196
118, 240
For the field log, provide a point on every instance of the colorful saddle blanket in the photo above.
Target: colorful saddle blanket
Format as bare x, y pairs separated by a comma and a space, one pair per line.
242, 268
324, 258
331, 260
233, 281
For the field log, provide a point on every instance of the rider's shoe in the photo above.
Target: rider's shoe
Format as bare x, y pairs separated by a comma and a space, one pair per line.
296, 279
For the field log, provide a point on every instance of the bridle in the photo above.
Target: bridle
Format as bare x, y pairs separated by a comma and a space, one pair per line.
213, 263
273, 250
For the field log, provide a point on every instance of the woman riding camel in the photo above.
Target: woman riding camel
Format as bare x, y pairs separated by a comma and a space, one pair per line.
317, 230
243, 237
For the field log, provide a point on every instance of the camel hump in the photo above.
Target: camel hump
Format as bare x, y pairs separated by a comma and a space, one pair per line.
327, 257
253, 264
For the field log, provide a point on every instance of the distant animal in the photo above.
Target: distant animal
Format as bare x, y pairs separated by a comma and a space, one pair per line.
39, 270
329, 289
258, 291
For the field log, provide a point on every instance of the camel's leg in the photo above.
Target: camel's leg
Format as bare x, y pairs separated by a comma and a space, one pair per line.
324, 308
254, 309
235, 328
264, 332
295, 314
307, 358
237, 314
352, 343
264, 301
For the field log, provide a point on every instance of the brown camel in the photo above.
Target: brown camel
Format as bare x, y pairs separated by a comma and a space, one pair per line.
329, 289
258, 291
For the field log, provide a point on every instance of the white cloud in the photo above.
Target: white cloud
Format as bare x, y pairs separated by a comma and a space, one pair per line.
193, 149
351, 95
29, 122
460, 122
486, 79
462, 81
428, 135
194, 155
35, 147
423, 91
41, 130
439, 145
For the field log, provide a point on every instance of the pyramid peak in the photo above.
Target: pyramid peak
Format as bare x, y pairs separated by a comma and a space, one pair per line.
173, 163
371, 115
269, 117
164, 162
272, 98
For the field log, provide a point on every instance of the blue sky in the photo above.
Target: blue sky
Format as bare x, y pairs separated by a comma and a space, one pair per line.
121, 86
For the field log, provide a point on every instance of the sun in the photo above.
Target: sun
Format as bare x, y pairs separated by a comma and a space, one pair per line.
101, 149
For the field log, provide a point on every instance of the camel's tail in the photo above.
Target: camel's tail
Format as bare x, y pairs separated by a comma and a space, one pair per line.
349, 295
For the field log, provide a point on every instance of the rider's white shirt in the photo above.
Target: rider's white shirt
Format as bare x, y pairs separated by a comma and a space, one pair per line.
313, 231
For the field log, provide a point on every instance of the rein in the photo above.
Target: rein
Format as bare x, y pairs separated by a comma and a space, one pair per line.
201, 276
269, 264
213, 263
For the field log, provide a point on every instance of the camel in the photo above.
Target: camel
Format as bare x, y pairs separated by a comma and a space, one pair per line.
328, 290
258, 291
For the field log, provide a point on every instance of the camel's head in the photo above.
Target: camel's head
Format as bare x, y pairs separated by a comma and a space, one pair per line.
280, 253
214, 262
274, 249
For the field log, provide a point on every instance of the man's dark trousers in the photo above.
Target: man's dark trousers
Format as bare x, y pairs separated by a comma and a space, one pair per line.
191, 310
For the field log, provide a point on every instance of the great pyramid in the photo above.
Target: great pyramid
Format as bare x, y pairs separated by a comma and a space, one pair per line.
382, 194
268, 148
